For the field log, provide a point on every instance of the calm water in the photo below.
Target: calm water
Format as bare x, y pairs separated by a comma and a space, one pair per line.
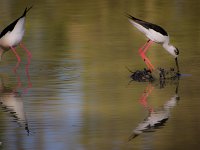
74, 94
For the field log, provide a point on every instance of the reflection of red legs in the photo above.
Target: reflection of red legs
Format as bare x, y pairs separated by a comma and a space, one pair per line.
18, 59
142, 52
145, 94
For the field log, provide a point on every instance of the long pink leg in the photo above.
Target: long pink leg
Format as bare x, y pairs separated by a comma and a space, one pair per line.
26, 50
143, 47
27, 73
18, 58
142, 54
27, 66
28, 76
144, 51
147, 62
149, 44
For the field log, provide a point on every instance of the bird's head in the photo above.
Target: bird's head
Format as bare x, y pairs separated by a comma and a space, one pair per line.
171, 49
176, 51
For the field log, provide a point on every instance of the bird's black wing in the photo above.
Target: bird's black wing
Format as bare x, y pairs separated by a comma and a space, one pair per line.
9, 28
12, 25
148, 25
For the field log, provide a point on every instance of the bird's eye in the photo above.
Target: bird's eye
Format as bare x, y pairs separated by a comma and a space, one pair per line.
176, 51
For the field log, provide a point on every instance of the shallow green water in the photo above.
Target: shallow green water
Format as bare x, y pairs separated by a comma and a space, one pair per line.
76, 95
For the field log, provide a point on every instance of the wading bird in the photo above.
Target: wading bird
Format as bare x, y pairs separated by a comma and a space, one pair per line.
155, 34
12, 36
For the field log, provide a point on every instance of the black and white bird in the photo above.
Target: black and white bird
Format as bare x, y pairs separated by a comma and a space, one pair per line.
12, 36
155, 34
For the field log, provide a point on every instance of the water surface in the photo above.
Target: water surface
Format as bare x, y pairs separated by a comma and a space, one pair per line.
74, 94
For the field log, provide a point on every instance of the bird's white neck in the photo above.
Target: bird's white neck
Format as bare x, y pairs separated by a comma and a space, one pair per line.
169, 48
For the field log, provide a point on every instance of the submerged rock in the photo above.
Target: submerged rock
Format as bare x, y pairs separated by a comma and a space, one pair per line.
146, 75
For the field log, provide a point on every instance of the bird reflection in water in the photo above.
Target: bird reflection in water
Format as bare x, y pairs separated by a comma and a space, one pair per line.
12, 103
156, 117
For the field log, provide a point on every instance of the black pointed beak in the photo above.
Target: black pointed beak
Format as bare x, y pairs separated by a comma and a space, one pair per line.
177, 66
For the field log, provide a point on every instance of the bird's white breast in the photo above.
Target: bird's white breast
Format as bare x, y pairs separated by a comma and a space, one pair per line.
14, 37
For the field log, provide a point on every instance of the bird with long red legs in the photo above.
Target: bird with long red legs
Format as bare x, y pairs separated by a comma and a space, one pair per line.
12, 36
155, 34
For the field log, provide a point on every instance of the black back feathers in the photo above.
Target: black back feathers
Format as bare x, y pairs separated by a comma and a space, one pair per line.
148, 25
10, 27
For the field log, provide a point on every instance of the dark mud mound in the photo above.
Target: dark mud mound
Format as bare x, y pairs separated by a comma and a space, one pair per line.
159, 74
142, 76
